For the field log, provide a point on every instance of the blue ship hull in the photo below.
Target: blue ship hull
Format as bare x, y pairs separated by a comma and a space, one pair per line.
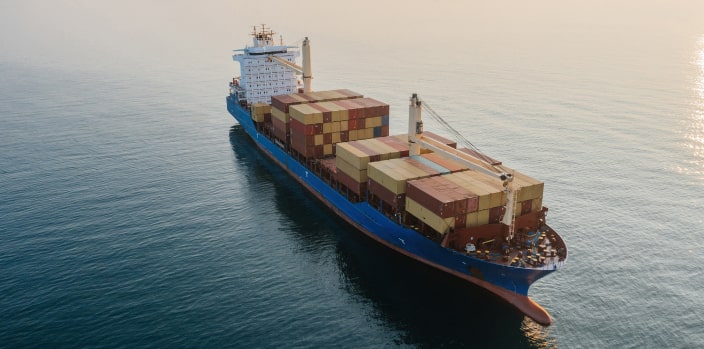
509, 283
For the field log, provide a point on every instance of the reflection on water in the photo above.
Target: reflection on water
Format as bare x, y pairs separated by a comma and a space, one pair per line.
695, 130
424, 307
538, 336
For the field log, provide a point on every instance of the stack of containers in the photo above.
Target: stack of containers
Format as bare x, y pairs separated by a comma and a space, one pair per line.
316, 127
490, 194
387, 179
261, 112
353, 157
282, 103
529, 194
440, 203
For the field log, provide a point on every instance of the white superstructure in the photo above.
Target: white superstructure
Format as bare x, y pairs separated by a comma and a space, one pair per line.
262, 72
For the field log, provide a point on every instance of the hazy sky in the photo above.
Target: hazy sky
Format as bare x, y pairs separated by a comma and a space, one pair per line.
74, 30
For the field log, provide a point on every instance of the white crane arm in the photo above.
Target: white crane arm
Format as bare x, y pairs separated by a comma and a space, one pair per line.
297, 68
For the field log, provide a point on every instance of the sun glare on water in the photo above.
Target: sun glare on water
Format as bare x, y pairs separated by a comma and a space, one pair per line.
694, 136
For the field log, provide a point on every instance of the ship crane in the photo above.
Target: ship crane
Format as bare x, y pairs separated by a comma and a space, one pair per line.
304, 70
417, 141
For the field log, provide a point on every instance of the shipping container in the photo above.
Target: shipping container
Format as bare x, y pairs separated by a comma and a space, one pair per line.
442, 196
353, 185
439, 224
395, 201
393, 174
359, 175
279, 114
258, 111
528, 187
488, 196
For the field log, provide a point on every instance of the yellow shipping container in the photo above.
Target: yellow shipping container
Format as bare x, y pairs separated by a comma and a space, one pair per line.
482, 217
335, 126
472, 219
373, 122
335, 110
258, 110
275, 112
483, 194
349, 169
439, 224
493, 185
528, 188
537, 205
335, 137
385, 151
327, 149
353, 135
352, 155
393, 174
318, 139
306, 114
327, 127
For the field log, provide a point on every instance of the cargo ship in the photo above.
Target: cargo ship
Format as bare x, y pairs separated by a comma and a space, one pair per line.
419, 194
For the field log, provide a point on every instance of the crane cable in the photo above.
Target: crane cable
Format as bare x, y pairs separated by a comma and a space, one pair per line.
458, 136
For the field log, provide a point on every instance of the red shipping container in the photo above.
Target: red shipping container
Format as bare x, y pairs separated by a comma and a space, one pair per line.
526, 206
356, 187
496, 214
319, 151
461, 221
441, 196
327, 138
396, 201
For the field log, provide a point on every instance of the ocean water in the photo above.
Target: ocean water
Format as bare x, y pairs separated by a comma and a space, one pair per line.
134, 212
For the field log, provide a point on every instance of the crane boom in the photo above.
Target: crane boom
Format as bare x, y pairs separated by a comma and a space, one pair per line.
297, 68
304, 70
417, 141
